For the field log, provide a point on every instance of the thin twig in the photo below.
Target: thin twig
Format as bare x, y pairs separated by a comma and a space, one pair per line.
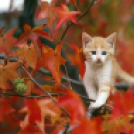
49, 95
78, 20
32, 79
31, 97
86, 10
84, 97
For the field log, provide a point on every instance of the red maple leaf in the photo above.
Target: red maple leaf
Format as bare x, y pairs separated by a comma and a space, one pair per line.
65, 15
36, 111
79, 59
52, 59
120, 107
5, 108
71, 101
33, 35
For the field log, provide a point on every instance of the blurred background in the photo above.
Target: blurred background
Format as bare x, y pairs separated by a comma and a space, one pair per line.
10, 10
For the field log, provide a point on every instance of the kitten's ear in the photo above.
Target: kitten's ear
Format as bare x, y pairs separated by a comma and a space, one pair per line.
86, 39
111, 39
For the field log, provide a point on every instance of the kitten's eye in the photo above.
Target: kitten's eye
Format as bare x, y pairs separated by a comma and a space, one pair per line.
93, 52
104, 53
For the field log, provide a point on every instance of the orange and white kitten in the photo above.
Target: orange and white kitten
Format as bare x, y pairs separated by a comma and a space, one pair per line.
101, 68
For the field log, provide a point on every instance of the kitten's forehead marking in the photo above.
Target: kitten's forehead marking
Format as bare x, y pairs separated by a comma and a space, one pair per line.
99, 49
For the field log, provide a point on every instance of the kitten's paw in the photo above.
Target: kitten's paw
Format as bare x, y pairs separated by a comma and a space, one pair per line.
89, 113
95, 105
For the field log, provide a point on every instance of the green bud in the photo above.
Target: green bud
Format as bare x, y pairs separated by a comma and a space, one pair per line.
17, 81
21, 88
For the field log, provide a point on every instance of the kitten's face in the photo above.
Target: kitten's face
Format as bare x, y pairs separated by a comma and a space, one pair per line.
98, 50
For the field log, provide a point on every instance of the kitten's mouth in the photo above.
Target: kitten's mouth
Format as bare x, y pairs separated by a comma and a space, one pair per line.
99, 62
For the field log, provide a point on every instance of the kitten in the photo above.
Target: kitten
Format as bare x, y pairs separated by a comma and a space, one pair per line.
101, 68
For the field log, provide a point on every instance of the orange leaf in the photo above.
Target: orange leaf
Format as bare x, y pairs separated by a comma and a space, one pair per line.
117, 126
79, 59
65, 15
27, 53
8, 72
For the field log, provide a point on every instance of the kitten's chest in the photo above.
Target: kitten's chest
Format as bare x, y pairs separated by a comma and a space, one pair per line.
94, 74
98, 73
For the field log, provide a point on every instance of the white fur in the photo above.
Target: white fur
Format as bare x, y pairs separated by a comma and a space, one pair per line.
96, 79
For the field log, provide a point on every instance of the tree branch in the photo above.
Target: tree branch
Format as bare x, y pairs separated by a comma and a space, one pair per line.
121, 85
31, 97
86, 11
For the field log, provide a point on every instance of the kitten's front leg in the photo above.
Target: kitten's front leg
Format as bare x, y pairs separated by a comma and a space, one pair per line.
91, 91
102, 97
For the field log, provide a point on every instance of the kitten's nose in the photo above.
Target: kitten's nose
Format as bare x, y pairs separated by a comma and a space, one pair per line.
98, 60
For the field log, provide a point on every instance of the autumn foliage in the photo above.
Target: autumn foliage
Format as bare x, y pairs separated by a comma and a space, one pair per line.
26, 107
